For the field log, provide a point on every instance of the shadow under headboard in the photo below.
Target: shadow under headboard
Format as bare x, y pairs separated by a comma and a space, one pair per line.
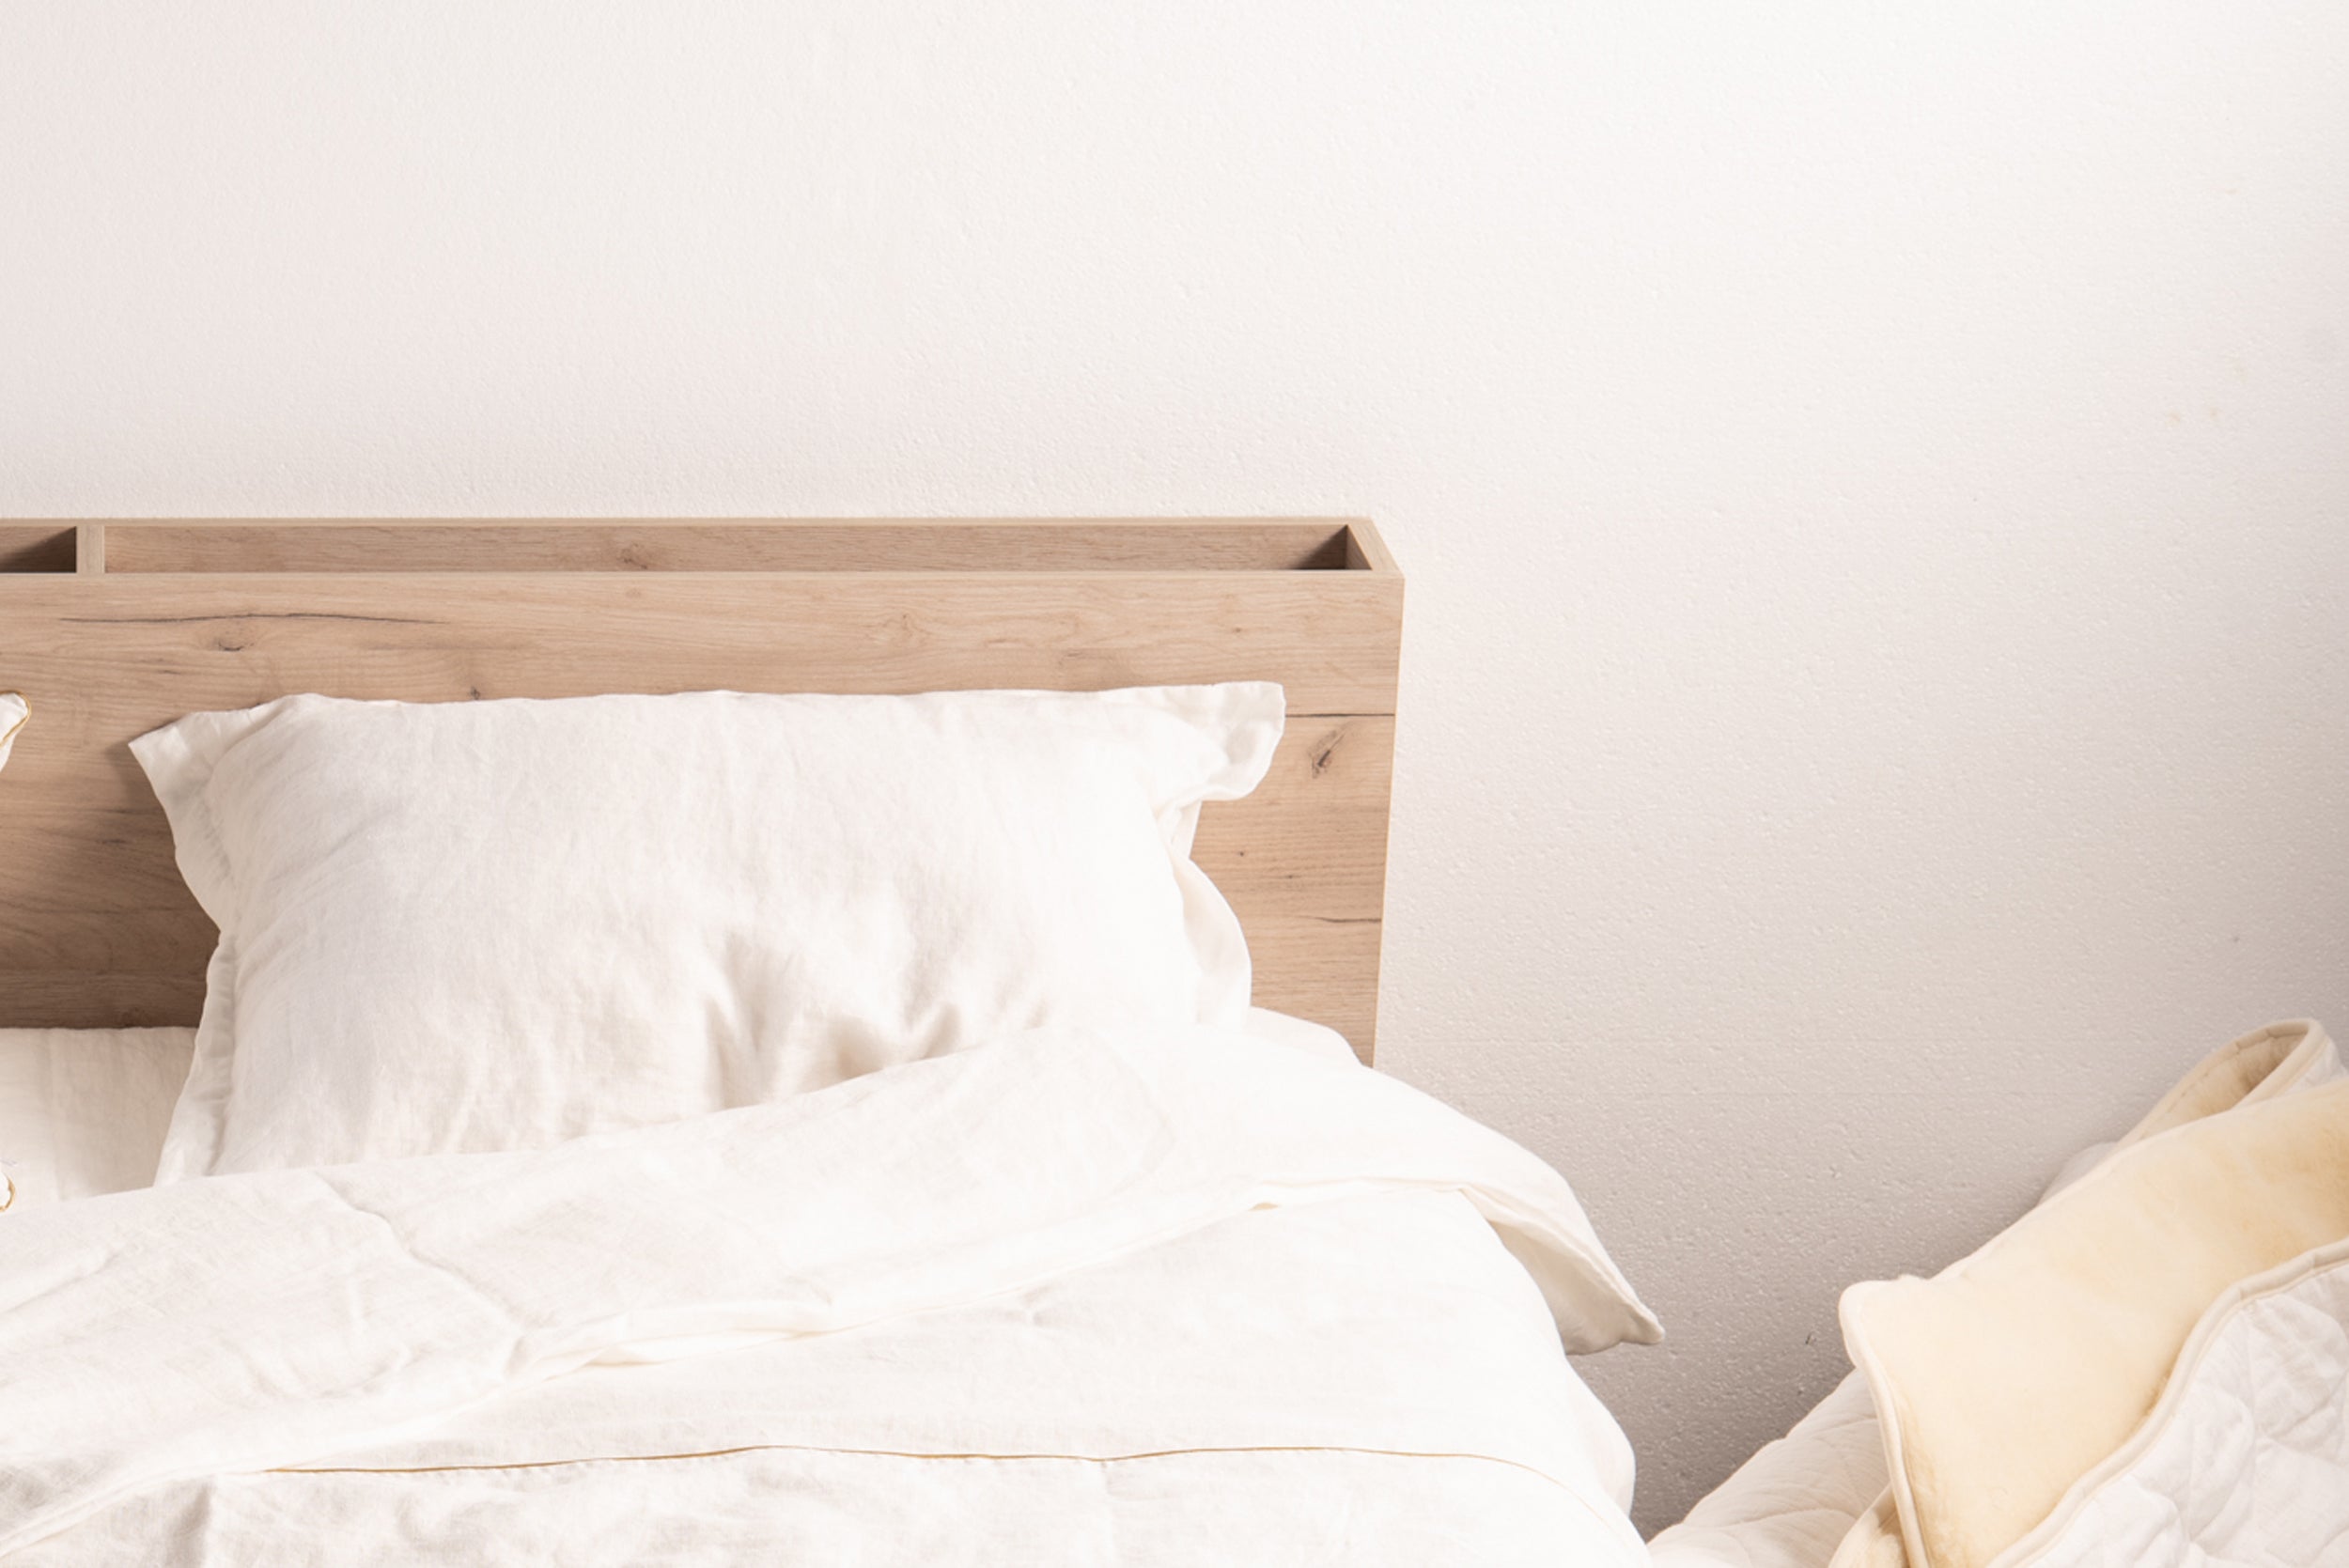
110, 629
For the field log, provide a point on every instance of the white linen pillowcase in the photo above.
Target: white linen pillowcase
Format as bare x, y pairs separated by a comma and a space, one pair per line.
461, 926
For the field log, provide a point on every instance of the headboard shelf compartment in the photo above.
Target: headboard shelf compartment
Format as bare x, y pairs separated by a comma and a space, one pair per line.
37, 546
586, 545
130, 624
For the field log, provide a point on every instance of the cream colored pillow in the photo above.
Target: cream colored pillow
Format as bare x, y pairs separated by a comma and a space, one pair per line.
500, 924
2007, 1377
2279, 1058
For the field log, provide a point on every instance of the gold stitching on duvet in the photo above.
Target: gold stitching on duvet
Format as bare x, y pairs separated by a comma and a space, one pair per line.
898, 1454
905, 1453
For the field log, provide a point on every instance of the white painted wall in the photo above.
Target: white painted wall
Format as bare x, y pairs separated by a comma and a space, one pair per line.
1875, 480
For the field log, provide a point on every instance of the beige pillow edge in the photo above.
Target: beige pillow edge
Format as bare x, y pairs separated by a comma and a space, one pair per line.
1867, 1308
1874, 1539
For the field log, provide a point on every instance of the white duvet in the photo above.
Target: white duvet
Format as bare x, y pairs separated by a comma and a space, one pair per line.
1179, 1297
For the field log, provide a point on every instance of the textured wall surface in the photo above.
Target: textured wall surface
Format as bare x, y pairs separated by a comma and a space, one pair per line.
1875, 485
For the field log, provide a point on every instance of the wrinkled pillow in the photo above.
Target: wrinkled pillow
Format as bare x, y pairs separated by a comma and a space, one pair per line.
467, 927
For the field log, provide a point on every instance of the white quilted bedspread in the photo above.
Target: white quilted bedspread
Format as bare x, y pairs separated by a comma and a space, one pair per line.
2246, 1459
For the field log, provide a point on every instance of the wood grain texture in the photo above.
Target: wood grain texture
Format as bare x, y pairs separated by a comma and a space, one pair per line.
658, 544
37, 547
96, 927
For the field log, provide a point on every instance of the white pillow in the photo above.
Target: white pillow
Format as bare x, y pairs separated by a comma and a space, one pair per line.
14, 711
499, 925
82, 1110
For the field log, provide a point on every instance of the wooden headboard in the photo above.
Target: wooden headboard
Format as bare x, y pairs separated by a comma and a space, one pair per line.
111, 628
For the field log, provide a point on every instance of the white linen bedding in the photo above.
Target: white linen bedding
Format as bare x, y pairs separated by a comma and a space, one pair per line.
82, 1110
1176, 1297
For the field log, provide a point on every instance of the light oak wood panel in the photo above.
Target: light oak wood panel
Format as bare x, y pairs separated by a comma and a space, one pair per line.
1312, 839
1314, 968
1366, 551
102, 998
37, 547
105, 659
96, 927
655, 544
1327, 636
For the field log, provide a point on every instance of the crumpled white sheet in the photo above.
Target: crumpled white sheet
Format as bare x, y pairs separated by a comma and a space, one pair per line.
1158, 1298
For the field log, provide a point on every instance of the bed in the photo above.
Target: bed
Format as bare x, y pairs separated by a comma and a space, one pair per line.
711, 1042
1107, 1251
